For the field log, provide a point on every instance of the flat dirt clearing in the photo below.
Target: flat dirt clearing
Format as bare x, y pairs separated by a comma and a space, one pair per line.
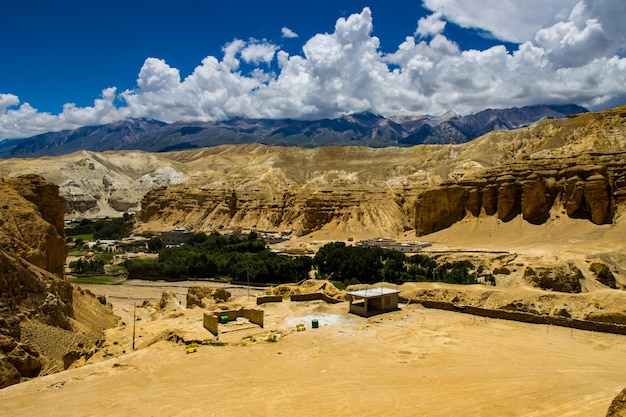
413, 362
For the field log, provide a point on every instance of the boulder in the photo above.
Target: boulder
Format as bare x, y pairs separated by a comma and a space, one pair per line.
9, 375
55, 312
168, 301
7, 343
603, 274
26, 360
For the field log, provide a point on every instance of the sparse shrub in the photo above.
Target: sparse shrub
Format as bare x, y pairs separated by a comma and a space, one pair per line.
490, 279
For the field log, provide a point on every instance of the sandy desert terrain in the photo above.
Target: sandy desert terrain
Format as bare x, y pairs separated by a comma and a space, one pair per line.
412, 362
415, 361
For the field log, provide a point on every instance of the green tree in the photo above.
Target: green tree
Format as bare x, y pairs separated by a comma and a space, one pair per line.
89, 267
155, 244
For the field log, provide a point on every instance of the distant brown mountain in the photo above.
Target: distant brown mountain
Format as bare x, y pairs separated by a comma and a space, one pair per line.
362, 129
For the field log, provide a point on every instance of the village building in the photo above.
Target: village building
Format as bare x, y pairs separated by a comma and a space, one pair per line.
373, 301
385, 243
175, 237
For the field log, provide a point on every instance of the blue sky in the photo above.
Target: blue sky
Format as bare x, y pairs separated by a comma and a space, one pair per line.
65, 64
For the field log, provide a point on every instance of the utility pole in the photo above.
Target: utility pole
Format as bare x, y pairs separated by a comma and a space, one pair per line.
134, 321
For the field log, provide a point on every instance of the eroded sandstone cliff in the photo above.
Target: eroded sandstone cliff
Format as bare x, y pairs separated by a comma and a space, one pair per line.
36, 301
584, 187
574, 167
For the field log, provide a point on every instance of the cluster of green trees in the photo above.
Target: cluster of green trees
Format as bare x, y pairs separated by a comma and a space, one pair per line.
214, 255
87, 267
368, 265
103, 229
248, 259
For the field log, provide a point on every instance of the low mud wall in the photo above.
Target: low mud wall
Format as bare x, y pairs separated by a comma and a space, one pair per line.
595, 326
210, 323
269, 299
210, 320
314, 296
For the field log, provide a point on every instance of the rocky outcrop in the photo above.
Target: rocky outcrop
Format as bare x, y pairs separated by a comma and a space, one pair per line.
205, 297
603, 274
441, 208
33, 250
556, 278
32, 257
39, 226
36, 300
618, 406
589, 188
301, 212
535, 201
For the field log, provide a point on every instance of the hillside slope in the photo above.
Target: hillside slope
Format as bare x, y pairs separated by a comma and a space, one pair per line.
42, 318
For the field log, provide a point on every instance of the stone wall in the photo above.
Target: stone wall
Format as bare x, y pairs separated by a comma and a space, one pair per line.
210, 320
269, 299
314, 296
527, 317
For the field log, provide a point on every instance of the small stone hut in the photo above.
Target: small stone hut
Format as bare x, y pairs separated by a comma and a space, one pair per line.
373, 301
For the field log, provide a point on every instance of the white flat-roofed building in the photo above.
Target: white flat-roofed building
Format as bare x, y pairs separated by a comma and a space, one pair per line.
373, 301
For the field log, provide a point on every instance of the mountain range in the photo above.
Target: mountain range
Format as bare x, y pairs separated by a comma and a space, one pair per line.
360, 129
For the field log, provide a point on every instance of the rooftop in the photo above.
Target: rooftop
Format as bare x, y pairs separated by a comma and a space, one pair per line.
372, 292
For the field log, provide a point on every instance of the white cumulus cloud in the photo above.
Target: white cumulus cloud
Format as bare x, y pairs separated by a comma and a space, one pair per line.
257, 52
430, 25
288, 33
508, 20
8, 100
569, 52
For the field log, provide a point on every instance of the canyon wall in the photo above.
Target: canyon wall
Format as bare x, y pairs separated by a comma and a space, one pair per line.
573, 167
32, 282
39, 322
591, 187
557, 167
376, 211
588, 187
